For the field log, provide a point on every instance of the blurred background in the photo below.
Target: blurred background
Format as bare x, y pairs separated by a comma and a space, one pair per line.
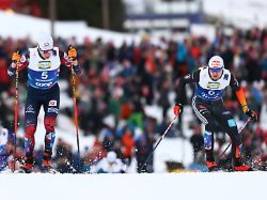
133, 53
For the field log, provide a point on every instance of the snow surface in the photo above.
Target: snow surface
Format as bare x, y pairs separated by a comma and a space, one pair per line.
183, 186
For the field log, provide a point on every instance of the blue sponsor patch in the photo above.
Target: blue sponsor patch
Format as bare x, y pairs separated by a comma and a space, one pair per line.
225, 77
52, 110
207, 140
231, 122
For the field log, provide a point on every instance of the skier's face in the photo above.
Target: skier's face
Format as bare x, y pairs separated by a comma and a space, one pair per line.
215, 73
46, 53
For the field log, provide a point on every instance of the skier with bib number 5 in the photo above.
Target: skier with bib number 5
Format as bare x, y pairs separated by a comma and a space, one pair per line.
207, 104
43, 65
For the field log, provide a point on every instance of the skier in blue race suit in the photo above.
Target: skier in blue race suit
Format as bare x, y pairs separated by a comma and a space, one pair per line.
207, 104
43, 65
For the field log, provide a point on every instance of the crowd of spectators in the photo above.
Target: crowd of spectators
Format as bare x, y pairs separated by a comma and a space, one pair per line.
118, 83
28, 7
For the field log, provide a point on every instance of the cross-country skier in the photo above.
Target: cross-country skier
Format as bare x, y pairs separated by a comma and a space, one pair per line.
7, 141
208, 106
43, 64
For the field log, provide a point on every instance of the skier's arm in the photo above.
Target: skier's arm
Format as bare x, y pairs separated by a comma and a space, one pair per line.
181, 94
189, 78
239, 93
241, 97
22, 61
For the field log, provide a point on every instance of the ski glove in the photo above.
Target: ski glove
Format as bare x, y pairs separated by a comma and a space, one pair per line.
177, 109
15, 57
252, 114
72, 53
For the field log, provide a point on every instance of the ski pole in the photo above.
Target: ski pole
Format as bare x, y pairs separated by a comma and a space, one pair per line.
16, 111
239, 131
75, 107
157, 143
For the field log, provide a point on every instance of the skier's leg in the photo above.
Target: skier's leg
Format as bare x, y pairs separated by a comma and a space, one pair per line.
228, 125
49, 136
32, 108
51, 108
204, 115
208, 145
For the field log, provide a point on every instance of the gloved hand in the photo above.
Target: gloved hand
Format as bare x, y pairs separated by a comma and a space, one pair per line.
15, 57
72, 53
252, 114
177, 109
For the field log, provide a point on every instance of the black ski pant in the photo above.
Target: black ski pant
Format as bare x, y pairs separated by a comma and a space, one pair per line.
216, 118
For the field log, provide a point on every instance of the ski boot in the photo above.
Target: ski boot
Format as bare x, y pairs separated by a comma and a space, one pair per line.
26, 168
212, 166
238, 164
47, 167
242, 168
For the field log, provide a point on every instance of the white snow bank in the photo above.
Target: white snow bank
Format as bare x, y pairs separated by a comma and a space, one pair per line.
242, 13
219, 186
22, 26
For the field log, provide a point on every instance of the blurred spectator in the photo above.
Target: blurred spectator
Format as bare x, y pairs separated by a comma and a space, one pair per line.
110, 164
31, 7
197, 140
7, 141
144, 146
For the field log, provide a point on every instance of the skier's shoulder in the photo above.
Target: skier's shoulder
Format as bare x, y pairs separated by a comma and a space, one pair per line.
227, 75
56, 50
203, 68
32, 50
226, 71
194, 75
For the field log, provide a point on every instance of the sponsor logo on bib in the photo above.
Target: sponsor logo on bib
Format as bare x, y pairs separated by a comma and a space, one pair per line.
213, 85
44, 65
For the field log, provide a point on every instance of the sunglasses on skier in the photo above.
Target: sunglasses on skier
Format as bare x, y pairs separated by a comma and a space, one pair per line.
215, 70
46, 51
